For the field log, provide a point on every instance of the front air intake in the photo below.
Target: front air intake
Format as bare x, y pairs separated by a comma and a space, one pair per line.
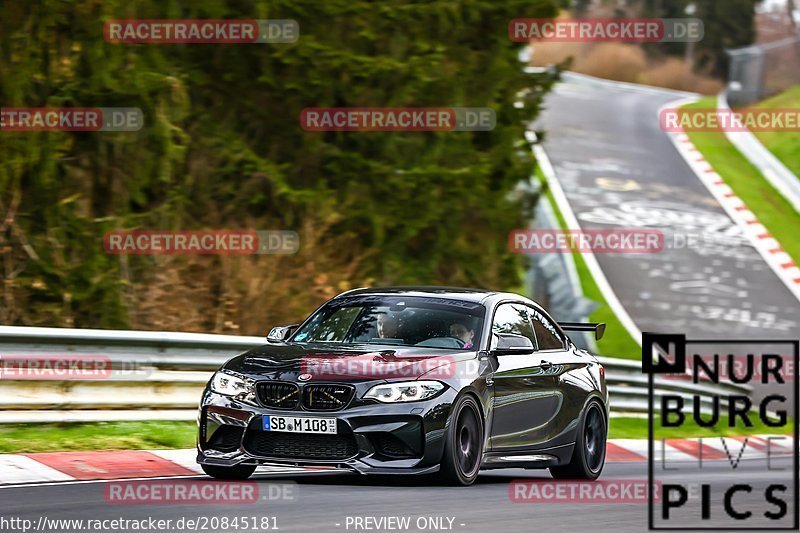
326, 397
278, 395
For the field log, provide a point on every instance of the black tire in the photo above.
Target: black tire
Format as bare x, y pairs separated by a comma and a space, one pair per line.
463, 446
589, 454
229, 472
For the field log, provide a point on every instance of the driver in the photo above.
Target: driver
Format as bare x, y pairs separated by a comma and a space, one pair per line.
460, 331
387, 326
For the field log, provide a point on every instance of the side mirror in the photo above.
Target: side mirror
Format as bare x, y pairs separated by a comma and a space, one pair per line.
281, 333
510, 343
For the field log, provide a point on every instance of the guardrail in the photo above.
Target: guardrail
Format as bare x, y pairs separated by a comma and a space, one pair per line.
160, 376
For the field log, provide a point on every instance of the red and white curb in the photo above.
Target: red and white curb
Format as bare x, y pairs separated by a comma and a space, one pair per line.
17, 469
766, 245
694, 450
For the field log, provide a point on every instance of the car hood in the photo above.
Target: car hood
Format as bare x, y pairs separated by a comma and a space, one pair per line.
352, 363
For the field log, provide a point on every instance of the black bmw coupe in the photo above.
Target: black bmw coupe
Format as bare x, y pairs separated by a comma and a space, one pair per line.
411, 380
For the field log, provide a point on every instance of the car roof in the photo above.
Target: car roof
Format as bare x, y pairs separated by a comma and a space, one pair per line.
453, 293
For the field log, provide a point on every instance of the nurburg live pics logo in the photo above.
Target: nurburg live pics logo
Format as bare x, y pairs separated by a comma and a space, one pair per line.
754, 494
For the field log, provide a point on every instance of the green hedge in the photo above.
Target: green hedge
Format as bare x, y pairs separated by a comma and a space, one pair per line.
222, 148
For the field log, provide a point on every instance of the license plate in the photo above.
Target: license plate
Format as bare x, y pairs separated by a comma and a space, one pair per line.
299, 424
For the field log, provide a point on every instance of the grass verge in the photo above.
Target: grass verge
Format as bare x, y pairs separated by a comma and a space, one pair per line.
151, 435
785, 145
772, 210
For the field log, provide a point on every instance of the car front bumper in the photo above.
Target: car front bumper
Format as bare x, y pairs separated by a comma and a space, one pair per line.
402, 438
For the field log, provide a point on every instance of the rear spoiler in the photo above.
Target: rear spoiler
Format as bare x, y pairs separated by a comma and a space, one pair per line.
599, 328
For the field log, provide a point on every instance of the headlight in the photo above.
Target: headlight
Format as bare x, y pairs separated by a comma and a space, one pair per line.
231, 385
407, 391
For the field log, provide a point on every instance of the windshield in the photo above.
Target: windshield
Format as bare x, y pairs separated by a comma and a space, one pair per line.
396, 320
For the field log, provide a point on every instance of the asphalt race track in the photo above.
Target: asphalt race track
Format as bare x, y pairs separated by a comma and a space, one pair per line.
324, 503
618, 169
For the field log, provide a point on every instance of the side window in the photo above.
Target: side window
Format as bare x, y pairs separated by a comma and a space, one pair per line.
546, 333
511, 318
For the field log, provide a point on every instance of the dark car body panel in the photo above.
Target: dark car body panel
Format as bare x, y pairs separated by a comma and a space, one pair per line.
530, 412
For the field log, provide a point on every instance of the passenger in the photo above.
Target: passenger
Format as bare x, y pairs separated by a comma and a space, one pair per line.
460, 331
